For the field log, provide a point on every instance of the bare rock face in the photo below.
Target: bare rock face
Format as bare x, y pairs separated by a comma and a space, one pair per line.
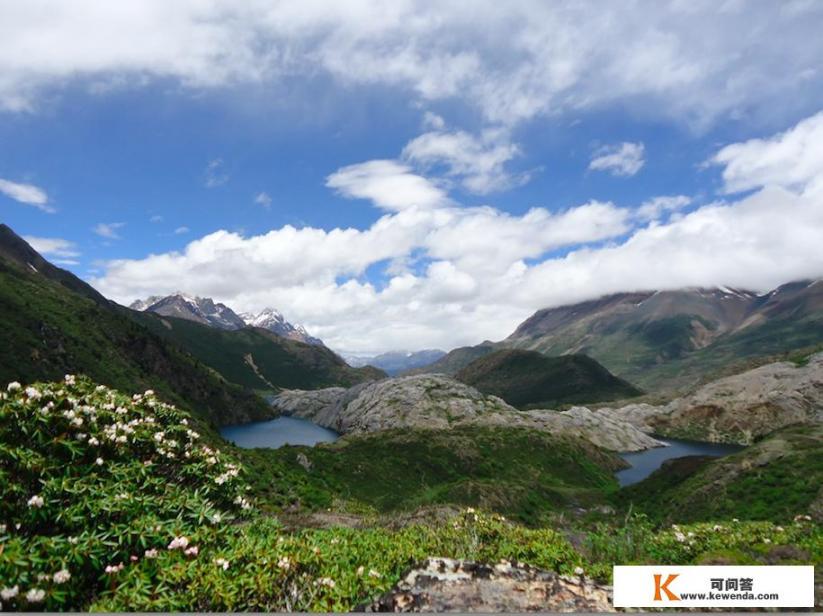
438, 401
447, 585
739, 408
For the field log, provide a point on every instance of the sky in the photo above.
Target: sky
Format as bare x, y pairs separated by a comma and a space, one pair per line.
411, 174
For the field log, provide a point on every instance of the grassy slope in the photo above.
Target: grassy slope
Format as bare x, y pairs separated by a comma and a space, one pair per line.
520, 472
279, 362
774, 479
49, 331
527, 379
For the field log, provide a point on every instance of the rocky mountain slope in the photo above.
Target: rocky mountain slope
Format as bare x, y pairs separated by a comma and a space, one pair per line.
206, 311
440, 402
198, 309
528, 379
54, 323
271, 320
738, 409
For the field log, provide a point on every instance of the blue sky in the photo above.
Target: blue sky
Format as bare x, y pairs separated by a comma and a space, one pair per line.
403, 175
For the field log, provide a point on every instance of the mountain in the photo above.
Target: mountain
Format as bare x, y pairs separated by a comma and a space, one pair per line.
54, 323
271, 320
670, 340
198, 309
395, 362
455, 359
258, 358
528, 380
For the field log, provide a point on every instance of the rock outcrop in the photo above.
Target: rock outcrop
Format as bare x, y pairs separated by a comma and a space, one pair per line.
437, 401
737, 409
447, 585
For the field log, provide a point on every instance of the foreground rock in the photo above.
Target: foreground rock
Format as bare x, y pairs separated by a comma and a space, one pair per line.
737, 409
446, 585
438, 401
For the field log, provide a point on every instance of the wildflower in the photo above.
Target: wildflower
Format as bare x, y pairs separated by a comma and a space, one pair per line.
36, 501
159, 436
578, 571
179, 543
70, 379
100, 389
717, 527
470, 510
81, 436
211, 461
77, 421
149, 392
73, 540
324, 581
136, 398
679, 536
10, 593
93, 441
735, 520
2, 528
112, 569
216, 518
121, 496
284, 563
35, 595
184, 421
334, 541
133, 558
152, 553
375, 574
802, 518
62, 576
192, 551
361, 570
779, 529
14, 386
43, 577
767, 540
99, 461
221, 562
32, 393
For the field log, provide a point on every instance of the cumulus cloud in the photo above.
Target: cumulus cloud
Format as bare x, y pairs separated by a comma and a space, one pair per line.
26, 193
454, 275
390, 185
478, 162
509, 61
53, 246
108, 230
792, 159
624, 159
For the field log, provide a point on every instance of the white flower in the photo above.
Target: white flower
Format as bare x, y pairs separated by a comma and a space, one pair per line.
32, 393
179, 543
36, 501
35, 595
361, 570
325, 581
375, 574
70, 379
284, 563
578, 571
121, 496
221, 562
100, 389
62, 576
679, 536
77, 421
150, 553
216, 518
184, 421
99, 461
2, 528
112, 569
767, 540
93, 441
149, 392
14, 386
779, 529
10, 593
73, 540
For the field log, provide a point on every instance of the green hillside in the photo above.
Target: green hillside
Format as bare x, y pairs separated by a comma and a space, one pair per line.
49, 330
257, 358
528, 380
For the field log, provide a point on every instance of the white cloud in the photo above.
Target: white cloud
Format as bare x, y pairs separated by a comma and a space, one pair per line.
624, 159
108, 230
389, 184
26, 193
510, 61
53, 247
263, 199
792, 159
461, 275
656, 207
477, 162
181, 230
215, 174
156, 218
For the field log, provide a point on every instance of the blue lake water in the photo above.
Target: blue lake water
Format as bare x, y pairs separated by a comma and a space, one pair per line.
278, 432
644, 463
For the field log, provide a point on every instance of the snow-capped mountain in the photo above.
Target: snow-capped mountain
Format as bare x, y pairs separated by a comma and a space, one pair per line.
273, 321
199, 309
394, 362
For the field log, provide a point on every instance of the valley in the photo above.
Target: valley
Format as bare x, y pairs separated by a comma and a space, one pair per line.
293, 466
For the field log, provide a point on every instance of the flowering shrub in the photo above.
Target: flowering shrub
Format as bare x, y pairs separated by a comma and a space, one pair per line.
94, 482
